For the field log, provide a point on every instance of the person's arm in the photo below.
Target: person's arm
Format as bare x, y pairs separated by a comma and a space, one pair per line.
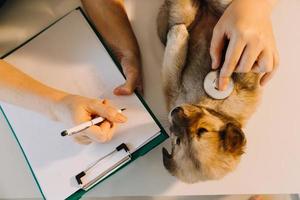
20, 89
247, 25
110, 19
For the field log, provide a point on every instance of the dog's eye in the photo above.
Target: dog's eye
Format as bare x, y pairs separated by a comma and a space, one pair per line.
178, 141
201, 131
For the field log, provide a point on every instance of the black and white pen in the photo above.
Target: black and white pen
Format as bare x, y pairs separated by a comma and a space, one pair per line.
84, 126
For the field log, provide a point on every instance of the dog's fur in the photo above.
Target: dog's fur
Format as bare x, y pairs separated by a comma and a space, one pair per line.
207, 136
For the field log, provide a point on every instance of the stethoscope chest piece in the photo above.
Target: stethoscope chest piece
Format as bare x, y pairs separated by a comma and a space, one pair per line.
211, 86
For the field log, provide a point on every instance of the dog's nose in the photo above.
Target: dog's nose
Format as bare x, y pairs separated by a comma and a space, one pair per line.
177, 111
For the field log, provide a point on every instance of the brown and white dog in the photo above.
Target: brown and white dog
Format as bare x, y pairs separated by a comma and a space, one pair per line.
207, 136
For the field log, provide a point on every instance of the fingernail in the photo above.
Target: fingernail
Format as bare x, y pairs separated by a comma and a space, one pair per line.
121, 118
122, 91
262, 83
223, 83
117, 91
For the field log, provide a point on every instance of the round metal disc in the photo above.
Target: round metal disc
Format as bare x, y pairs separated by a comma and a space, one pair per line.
211, 86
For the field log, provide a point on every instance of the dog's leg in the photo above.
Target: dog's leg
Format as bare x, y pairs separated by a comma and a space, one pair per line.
174, 61
174, 12
163, 22
183, 12
180, 14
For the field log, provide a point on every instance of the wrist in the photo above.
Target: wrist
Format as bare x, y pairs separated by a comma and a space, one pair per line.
56, 98
132, 55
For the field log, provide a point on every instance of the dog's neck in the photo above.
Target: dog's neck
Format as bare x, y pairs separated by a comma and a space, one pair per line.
220, 106
241, 104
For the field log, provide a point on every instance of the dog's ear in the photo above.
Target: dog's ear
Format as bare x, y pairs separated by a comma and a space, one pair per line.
233, 139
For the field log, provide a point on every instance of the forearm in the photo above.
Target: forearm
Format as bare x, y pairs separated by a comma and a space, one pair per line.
20, 89
110, 19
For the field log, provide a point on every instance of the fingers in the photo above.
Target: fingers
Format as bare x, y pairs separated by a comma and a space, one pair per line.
82, 109
216, 47
233, 54
266, 77
81, 139
79, 118
248, 59
129, 86
269, 75
107, 111
267, 63
124, 89
98, 133
101, 133
132, 71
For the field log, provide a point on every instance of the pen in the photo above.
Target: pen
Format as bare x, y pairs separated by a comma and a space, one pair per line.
84, 125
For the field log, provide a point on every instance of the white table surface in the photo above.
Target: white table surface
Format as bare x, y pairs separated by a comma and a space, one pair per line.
146, 176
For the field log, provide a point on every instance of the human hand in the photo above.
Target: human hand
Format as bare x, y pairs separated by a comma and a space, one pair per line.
74, 110
131, 66
248, 27
111, 20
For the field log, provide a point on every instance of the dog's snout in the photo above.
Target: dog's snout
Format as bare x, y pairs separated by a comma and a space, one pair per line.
179, 118
177, 111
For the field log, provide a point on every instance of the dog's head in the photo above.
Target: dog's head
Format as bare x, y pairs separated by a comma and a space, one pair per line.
205, 144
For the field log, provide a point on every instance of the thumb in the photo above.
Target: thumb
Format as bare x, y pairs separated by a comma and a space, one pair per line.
132, 70
133, 81
128, 88
125, 89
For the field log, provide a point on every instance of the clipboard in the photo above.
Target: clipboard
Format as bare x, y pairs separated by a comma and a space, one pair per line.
121, 149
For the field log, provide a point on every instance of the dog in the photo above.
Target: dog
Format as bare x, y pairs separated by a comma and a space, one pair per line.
206, 134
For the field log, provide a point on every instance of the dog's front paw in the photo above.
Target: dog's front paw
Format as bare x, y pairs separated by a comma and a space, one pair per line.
178, 32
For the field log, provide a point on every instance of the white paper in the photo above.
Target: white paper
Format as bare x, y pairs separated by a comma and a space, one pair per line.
70, 57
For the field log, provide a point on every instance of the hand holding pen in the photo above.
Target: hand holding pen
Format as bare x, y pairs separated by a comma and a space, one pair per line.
85, 125
92, 119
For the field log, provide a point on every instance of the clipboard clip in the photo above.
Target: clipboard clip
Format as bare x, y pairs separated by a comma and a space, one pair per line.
87, 178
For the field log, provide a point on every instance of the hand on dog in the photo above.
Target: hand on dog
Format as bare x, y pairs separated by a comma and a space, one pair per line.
74, 110
246, 24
